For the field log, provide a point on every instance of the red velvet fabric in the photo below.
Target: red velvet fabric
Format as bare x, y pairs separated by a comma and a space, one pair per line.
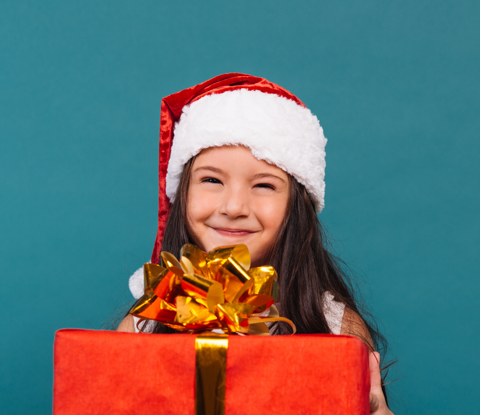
98, 372
171, 109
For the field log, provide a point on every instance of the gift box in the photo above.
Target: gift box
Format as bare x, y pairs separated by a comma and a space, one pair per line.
99, 372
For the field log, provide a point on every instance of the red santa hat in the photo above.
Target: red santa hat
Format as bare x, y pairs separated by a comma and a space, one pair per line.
238, 109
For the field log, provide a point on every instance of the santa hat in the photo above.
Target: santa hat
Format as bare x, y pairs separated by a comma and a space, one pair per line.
238, 109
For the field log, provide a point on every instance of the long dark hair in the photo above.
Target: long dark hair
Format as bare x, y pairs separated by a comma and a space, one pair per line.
306, 268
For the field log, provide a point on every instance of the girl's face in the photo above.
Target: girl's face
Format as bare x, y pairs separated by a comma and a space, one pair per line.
233, 198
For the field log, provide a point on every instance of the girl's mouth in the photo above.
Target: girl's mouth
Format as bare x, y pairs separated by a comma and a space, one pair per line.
233, 232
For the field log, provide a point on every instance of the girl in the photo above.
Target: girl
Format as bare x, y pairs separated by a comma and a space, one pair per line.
242, 161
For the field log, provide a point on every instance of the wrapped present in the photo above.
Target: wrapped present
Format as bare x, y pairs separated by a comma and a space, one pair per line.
99, 372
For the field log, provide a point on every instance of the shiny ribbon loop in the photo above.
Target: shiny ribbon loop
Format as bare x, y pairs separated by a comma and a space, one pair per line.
207, 291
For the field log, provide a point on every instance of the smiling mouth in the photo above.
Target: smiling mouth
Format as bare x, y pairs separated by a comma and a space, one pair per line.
233, 232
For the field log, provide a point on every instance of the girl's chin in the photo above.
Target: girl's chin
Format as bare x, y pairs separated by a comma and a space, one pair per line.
227, 241
217, 239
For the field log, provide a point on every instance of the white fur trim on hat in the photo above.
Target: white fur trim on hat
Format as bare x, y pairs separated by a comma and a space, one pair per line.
276, 130
136, 283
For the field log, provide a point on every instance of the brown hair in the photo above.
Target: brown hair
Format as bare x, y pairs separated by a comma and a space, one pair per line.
306, 268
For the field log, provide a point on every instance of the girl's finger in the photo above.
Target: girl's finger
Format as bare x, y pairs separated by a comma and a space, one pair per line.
375, 377
378, 405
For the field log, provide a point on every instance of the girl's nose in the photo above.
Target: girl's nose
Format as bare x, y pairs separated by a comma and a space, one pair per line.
235, 204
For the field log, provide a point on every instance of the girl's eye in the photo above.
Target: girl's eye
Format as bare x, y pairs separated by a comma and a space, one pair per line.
211, 180
265, 186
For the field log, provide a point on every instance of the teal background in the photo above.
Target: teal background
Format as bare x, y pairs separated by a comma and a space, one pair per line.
396, 87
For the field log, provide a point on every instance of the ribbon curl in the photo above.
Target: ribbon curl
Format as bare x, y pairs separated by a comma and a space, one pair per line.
208, 291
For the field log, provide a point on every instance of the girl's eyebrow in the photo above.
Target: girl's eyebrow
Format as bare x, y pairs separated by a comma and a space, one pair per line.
263, 175
209, 168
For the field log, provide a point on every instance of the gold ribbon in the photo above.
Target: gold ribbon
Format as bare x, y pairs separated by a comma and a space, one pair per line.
210, 374
207, 291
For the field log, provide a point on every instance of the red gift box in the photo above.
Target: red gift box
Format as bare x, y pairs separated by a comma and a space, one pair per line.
100, 372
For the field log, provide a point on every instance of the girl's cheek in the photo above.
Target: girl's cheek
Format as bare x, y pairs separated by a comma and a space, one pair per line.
200, 205
272, 212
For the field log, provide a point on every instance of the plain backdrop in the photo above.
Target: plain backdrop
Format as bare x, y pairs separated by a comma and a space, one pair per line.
396, 87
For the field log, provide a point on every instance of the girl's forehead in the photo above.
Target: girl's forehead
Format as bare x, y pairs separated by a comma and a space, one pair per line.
226, 150
230, 157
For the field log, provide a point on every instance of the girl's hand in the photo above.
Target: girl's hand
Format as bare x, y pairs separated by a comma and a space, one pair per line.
378, 406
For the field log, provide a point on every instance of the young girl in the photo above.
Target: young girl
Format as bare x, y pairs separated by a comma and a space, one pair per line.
242, 161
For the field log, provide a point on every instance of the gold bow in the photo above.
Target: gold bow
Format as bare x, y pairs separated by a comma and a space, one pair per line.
207, 291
